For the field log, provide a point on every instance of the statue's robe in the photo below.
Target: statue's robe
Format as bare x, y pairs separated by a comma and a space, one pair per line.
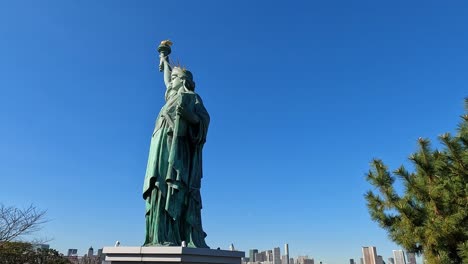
173, 176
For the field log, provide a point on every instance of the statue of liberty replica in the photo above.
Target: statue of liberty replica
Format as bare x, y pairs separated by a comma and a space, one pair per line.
173, 175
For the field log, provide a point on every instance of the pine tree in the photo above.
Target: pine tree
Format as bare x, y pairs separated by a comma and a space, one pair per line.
430, 216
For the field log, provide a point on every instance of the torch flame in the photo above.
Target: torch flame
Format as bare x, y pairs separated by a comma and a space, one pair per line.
166, 43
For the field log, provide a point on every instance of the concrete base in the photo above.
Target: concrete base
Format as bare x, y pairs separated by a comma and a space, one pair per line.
170, 255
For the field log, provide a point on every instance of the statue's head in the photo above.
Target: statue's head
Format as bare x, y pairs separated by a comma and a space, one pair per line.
181, 76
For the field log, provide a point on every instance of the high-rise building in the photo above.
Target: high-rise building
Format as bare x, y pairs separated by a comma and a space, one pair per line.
100, 255
411, 258
369, 255
380, 259
260, 257
90, 252
72, 252
286, 253
276, 255
252, 253
391, 261
351, 261
291, 261
399, 257
305, 260
269, 255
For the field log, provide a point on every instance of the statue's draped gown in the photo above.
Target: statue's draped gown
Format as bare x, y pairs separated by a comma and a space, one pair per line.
172, 189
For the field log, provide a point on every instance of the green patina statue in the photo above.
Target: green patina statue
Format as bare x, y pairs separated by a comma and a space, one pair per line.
174, 171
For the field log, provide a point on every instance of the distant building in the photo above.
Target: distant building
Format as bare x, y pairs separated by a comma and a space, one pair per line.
268, 255
380, 260
40, 246
291, 261
72, 252
351, 261
260, 257
100, 255
399, 257
305, 260
300, 259
286, 253
411, 258
252, 253
369, 255
391, 261
90, 252
276, 255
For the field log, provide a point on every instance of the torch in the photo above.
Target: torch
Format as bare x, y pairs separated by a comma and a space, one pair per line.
164, 50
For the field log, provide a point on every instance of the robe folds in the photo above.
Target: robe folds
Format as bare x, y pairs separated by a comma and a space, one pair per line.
172, 182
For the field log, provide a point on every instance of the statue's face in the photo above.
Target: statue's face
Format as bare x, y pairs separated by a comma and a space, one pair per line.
176, 79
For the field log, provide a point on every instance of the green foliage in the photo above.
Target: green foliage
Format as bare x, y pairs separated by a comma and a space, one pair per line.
430, 217
19, 252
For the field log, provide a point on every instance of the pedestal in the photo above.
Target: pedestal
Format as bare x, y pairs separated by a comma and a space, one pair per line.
170, 255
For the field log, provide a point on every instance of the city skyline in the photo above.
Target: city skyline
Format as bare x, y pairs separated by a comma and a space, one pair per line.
302, 96
369, 255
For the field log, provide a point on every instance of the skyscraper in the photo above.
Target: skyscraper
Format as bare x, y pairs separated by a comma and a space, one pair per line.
351, 261
411, 258
286, 253
252, 253
276, 255
369, 255
399, 256
380, 260
391, 261
260, 257
269, 256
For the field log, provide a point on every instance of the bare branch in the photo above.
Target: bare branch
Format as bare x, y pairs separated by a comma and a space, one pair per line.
16, 222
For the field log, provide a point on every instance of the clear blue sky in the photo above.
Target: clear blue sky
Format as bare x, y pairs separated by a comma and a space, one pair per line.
302, 95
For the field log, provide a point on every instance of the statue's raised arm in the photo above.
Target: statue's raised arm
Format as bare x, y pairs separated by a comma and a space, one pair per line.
164, 50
